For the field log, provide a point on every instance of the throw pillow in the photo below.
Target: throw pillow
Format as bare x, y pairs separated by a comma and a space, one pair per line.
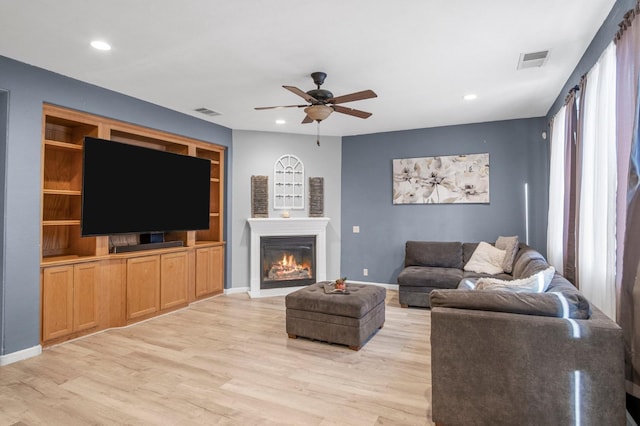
536, 283
486, 259
510, 246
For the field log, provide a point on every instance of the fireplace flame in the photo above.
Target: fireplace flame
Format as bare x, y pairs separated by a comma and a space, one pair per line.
289, 261
288, 268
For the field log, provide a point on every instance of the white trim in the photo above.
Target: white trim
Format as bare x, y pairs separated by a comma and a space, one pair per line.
385, 285
20, 355
236, 290
281, 291
286, 290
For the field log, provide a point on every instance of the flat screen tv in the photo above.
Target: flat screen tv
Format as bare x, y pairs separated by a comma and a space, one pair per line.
132, 189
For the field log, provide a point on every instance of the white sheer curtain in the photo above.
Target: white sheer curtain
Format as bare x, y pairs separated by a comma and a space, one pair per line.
597, 199
555, 221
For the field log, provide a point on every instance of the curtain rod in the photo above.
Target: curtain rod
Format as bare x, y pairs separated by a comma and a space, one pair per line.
572, 91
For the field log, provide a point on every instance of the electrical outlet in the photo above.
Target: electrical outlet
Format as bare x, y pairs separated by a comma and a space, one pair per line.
365, 272
356, 229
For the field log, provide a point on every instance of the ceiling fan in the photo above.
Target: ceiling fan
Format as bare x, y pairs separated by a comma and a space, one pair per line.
323, 103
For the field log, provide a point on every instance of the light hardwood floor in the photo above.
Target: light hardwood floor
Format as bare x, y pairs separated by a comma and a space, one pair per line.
226, 361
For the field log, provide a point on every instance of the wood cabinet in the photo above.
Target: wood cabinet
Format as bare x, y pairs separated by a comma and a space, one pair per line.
209, 271
69, 299
137, 285
156, 283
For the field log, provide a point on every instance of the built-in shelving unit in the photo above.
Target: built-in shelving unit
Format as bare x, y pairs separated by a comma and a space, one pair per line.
214, 233
84, 287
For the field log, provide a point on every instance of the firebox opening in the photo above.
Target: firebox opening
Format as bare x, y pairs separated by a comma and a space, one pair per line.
287, 261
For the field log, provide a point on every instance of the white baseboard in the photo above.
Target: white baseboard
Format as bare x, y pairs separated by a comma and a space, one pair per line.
20, 355
385, 285
281, 292
236, 290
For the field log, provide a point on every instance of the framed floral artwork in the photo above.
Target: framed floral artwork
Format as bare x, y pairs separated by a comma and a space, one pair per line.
441, 180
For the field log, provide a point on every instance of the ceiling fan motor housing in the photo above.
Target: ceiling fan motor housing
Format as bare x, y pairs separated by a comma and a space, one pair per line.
320, 94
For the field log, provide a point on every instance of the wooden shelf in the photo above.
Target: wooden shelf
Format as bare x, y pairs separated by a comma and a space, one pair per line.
65, 259
61, 192
65, 222
62, 145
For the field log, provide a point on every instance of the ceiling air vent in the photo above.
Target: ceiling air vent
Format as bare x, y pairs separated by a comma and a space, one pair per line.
533, 59
207, 111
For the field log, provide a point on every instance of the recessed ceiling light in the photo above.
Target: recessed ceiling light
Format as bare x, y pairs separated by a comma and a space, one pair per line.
280, 121
100, 45
470, 97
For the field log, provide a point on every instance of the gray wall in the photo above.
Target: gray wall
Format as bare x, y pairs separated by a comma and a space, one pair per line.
600, 41
255, 153
517, 154
28, 88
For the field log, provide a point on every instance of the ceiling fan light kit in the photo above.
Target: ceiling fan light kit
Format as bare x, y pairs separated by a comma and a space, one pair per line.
318, 112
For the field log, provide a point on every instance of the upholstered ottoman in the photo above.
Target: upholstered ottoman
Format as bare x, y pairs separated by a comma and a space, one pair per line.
348, 319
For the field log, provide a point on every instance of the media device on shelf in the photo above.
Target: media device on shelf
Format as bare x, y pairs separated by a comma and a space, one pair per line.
132, 189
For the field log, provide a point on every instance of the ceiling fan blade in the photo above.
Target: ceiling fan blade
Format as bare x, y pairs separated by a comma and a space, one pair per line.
307, 120
357, 96
281, 106
302, 94
351, 111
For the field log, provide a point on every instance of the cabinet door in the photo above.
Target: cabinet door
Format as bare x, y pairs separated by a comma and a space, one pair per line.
209, 271
85, 295
57, 301
143, 286
203, 271
174, 277
217, 269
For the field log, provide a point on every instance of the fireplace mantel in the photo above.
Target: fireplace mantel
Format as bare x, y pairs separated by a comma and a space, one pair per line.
286, 226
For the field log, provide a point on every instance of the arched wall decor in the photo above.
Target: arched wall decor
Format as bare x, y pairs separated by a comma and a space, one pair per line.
288, 183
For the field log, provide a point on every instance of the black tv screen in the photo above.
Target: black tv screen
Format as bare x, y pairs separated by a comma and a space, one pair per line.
132, 189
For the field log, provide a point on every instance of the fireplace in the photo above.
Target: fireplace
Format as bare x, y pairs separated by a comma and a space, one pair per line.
287, 261
314, 227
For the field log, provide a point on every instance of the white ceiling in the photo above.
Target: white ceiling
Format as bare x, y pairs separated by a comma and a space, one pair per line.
419, 56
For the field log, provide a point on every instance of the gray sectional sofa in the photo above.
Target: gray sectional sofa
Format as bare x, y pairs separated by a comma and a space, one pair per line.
430, 265
506, 357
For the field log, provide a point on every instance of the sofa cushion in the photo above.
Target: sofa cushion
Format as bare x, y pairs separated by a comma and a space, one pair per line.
528, 262
561, 286
537, 283
486, 259
467, 251
549, 304
471, 274
510, 246
429, 276
433, 253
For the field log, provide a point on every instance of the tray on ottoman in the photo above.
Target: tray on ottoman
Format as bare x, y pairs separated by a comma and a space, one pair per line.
348, 319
